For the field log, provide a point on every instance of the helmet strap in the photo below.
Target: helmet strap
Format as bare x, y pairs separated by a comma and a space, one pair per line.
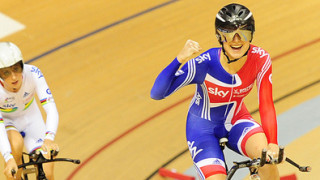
234, 60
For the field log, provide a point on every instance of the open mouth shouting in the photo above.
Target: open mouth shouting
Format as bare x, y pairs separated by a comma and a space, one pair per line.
236, 47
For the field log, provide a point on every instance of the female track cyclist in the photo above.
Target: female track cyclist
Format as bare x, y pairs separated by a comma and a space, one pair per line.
19, 83
223, 77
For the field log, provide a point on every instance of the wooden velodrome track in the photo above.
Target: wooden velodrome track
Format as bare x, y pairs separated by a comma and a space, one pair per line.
100, 59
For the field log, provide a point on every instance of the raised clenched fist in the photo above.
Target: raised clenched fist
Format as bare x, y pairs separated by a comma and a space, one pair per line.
191, 47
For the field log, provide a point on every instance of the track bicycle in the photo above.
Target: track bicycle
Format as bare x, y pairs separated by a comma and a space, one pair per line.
36, 160
255, 164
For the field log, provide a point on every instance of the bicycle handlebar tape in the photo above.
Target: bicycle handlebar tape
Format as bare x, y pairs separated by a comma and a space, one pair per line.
76, 161
301, 168
263, 157
305, 169
280, 158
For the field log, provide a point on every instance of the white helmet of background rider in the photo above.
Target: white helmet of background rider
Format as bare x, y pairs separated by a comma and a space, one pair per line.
10, 54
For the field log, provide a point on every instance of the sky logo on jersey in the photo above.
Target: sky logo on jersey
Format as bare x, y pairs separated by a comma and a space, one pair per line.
261, 52
198, 98
193, 150
217, 92
37, 71
202, 58
9, 105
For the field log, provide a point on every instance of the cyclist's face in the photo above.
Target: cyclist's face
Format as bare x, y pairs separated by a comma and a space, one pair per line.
12, 77
237, 47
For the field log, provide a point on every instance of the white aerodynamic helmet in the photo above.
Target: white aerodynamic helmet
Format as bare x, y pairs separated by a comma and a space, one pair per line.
10, 54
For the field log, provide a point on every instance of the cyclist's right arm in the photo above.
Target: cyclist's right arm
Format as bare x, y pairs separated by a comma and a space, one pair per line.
4, 142
6, 151
171, 78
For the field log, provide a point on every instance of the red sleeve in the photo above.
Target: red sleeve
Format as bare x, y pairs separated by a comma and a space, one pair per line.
266, 106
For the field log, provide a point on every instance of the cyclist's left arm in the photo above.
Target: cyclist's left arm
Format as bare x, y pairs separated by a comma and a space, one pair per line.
48, 104
266, 105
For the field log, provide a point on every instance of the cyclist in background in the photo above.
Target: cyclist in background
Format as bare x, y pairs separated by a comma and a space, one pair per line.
223, 77
21, 115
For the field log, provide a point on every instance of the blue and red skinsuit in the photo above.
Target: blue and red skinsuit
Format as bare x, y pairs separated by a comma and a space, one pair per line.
217, 109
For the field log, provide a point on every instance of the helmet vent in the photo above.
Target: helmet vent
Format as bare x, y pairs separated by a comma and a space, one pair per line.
224, 10
240, 13
229, 14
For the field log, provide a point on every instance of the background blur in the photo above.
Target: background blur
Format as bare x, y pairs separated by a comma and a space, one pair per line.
100, 59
